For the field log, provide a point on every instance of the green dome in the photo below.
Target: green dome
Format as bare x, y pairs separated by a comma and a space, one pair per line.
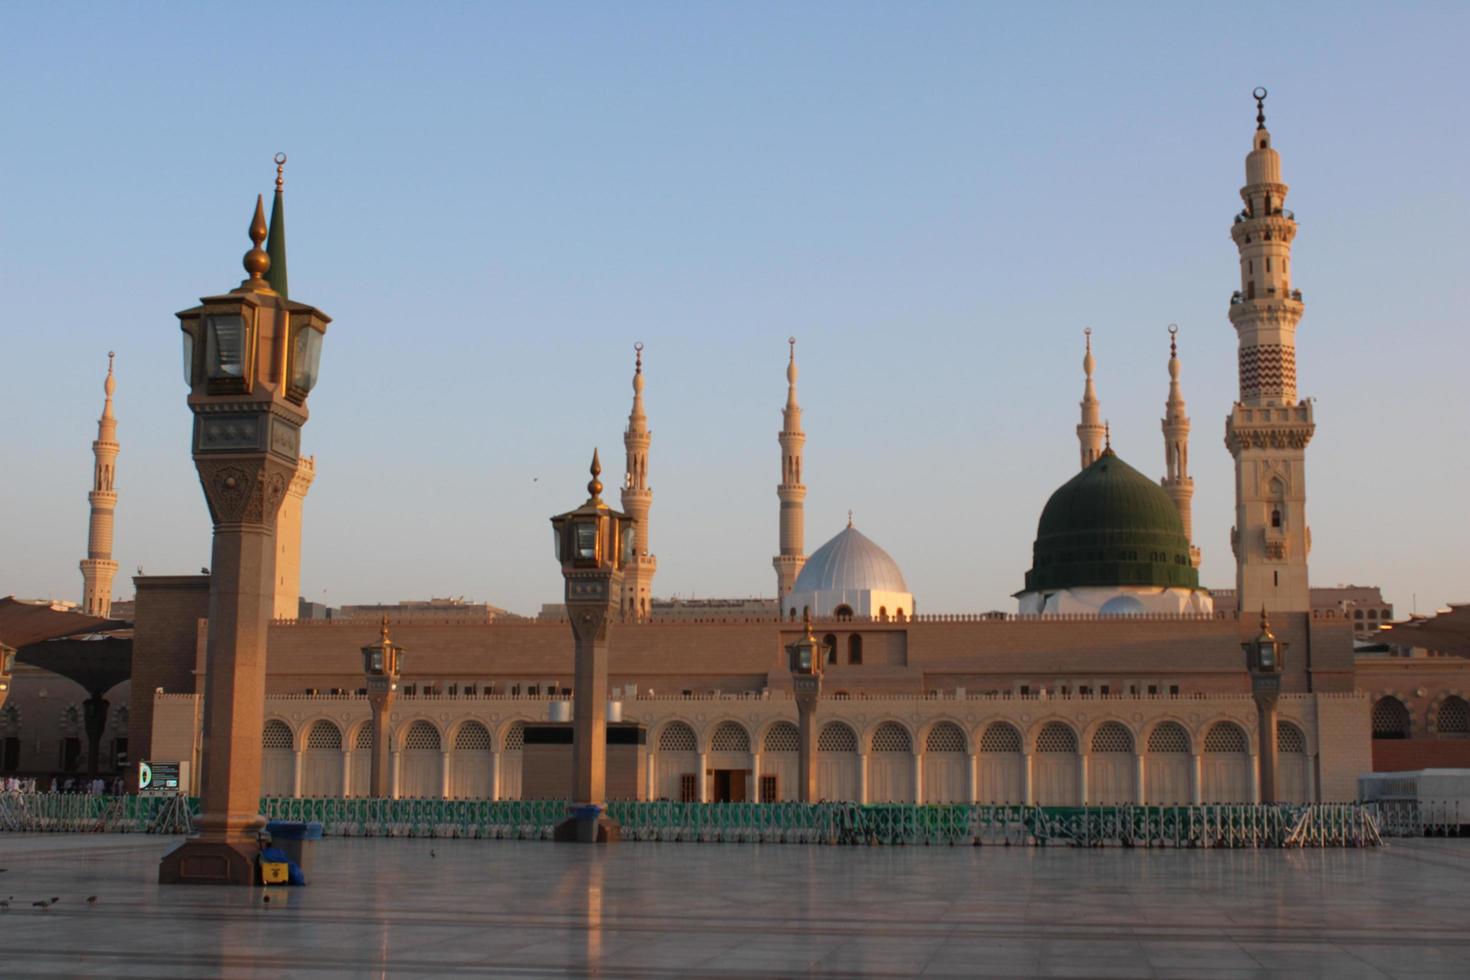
1110, 526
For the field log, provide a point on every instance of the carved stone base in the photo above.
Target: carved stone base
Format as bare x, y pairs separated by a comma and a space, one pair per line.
588, 830
198, 862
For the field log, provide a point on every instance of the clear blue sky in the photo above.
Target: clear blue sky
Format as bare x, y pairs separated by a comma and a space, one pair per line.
496, 201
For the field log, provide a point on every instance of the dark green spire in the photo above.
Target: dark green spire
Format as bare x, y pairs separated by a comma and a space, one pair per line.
275, 243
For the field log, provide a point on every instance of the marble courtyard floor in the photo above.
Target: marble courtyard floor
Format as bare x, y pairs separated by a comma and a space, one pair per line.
389, 908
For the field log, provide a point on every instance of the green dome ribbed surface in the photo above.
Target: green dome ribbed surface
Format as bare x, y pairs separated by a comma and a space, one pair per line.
1109, 526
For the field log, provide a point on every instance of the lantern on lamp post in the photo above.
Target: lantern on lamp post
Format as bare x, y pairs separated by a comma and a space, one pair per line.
806, 682
593, 543
381, 664
7, 667
251, 358
1265, 658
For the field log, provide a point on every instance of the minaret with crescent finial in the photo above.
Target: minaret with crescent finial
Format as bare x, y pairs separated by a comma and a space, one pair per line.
1177, 482
1268, 429
286, 601
1090, 431
791, 490
98, 568
637, 498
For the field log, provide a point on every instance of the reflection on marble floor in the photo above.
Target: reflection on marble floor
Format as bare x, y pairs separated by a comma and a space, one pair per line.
387, 908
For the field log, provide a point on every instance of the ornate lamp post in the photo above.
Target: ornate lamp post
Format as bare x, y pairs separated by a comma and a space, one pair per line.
382, 662
806, 681
593, 543
1265, 658
250, 360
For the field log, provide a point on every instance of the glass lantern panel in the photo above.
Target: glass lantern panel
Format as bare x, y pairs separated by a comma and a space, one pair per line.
1267, 656
556, 542
189, 358
586, 540
377, 664
306, 356
225, 346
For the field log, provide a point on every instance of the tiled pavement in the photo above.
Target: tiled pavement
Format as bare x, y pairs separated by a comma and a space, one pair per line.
663, 911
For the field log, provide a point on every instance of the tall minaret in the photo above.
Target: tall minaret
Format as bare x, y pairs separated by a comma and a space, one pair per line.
98, 568
791, 490
286, 601
1268, 429
637, 496
1090, 431
1177, 482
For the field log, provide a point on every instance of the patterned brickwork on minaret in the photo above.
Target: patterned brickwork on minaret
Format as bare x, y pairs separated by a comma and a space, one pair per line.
1090, 431
287, 601
1177, 482
791, 490
1268, 430
98, 568
637, 497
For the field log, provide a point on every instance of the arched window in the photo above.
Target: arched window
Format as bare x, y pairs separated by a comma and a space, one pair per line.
1225, 737
892, 737
324, 735
1357, 614
836, 737
883, 613
1390, 718
945, 737
843, 612
1289, 738
364, 739
515, 738
1168, 737
1000, 737
275, 735
829, 643
472, 737
855, 649
1112, 737
1056, 737
730, 737
1453, 717
676, 737
783, 737
1275, 517
422, 736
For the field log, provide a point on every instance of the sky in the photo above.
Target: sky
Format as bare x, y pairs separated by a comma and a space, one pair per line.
496, 201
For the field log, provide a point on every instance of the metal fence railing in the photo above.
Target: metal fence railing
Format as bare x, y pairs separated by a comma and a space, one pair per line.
1209, 825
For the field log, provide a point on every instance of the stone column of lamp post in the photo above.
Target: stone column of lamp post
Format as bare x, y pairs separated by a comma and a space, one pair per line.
806, 682
382, 662
593, 543
250, 360
1265, 658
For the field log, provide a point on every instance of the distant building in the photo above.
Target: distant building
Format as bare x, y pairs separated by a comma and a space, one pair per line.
1363, 604
443, 611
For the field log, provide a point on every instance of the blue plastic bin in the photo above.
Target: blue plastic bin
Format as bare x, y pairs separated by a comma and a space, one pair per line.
296, 839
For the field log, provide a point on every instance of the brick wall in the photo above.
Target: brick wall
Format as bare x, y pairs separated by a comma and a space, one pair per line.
165, 631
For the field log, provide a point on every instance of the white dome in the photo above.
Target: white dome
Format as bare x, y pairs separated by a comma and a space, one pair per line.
850, 562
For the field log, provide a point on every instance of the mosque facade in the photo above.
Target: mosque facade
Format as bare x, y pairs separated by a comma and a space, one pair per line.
1116, 680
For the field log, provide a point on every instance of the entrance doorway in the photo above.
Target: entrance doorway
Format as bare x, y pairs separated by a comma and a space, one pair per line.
729, 786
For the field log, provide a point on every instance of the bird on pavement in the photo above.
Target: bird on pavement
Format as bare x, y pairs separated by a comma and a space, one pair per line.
40, 905
91, 899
